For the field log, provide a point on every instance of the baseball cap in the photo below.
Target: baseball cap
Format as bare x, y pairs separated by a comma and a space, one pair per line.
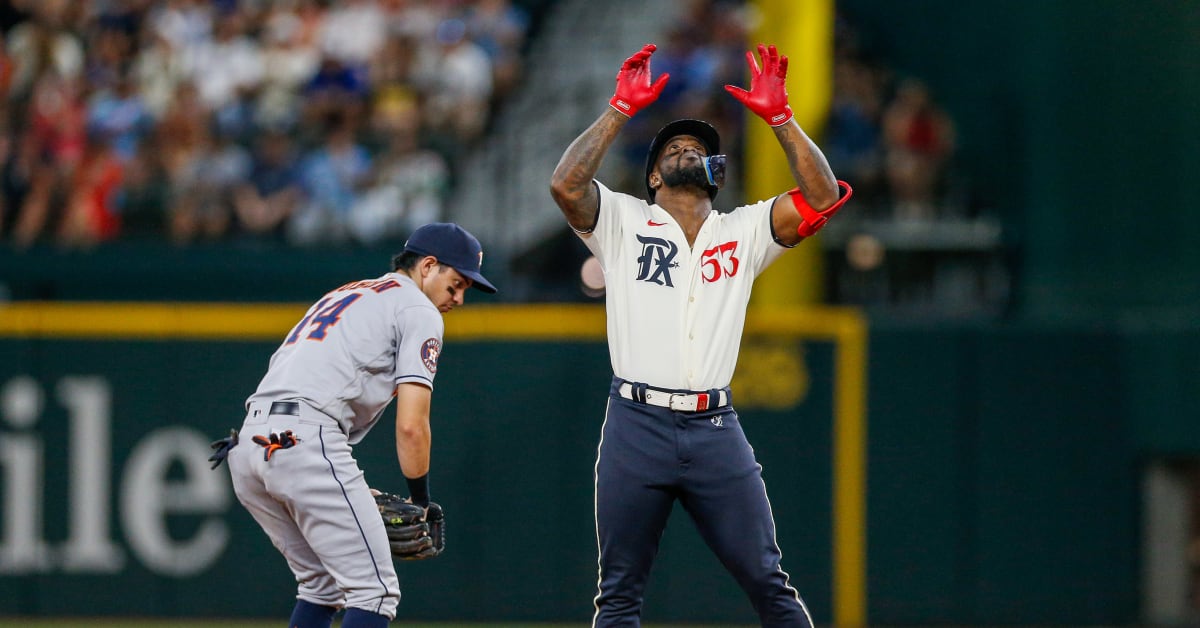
453, 246
698, 129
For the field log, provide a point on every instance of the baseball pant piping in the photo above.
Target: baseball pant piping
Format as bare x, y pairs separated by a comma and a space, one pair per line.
358, 522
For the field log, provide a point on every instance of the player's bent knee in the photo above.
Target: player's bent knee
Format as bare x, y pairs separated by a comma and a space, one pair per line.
379, 600
319, 588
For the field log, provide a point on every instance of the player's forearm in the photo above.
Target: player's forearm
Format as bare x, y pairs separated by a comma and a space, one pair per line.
413, 441
808, 166
571, 184
412, 429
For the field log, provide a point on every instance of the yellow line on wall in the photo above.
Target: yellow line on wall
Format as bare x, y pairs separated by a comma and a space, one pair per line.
850, 475
149, 321
271, 321
847, 328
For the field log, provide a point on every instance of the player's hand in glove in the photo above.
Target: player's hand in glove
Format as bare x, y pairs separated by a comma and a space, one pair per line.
413, 533
221, 448
634, 89
436, 518
767, 97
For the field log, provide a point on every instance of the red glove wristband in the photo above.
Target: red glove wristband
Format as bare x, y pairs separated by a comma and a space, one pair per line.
781, 118
812, 220
622, 105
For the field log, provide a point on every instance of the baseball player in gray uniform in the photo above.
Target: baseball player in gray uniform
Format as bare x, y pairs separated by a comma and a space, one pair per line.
678, 276
327, 385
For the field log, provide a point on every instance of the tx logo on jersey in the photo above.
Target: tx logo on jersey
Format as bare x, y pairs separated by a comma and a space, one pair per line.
657, 260
719, 261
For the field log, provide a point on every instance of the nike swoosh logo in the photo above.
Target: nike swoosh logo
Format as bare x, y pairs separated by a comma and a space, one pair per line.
655, 224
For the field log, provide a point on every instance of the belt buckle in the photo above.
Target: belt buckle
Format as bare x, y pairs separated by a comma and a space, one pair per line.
687, 402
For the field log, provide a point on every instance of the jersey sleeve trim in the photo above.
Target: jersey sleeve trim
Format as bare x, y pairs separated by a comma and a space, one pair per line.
414, 379
771, 226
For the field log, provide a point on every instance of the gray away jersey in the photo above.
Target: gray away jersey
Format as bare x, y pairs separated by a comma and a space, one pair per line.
351, 349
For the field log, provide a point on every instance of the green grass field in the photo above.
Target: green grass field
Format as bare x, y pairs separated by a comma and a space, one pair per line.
241, 623
166, 623
213, 623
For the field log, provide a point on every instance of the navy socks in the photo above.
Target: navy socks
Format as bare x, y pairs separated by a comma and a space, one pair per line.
309, 615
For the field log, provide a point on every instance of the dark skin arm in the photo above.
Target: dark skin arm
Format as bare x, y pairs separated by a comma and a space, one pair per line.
572, 184
813, 176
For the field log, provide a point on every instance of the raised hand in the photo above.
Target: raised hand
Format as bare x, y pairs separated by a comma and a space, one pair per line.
767, 97
634, 89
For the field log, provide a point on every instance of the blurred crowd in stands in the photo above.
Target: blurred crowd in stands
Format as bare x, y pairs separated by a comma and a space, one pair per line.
344, 122
918, 238
886, 133
310, 122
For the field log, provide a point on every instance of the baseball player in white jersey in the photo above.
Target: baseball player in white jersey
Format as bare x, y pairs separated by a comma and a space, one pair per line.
678, 277
327, 385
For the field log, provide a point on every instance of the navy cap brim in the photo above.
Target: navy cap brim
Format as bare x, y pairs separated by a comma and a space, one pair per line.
479, 281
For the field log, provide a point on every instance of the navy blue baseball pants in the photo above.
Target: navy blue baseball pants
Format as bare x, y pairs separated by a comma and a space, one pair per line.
648, 458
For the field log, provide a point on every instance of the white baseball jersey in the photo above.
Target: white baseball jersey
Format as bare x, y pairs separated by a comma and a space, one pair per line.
351, 349
676, 313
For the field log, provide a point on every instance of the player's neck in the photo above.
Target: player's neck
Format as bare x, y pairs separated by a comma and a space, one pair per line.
409, 274
688, 209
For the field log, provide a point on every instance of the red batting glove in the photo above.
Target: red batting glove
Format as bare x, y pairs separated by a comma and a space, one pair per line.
634, 90
767, 97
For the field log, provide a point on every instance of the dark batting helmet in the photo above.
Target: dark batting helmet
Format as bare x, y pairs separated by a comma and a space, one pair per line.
698, 129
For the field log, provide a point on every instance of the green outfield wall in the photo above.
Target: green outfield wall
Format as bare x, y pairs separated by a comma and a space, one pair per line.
1002, 466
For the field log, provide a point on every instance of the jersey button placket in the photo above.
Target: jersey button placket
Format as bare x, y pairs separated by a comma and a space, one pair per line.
689, 349
689, 314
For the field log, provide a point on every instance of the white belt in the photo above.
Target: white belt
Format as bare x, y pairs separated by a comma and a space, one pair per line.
679, 402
